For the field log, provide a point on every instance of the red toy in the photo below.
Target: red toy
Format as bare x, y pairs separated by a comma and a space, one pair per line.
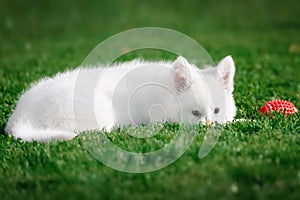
278, 105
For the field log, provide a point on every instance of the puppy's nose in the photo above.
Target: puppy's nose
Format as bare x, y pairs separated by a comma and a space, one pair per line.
208, 122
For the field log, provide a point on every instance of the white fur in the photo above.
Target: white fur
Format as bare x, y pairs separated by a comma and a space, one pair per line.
169, 92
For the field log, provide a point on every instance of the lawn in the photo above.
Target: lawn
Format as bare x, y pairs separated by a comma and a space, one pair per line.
251, 160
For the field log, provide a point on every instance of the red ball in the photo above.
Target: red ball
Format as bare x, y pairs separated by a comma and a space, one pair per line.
282, 106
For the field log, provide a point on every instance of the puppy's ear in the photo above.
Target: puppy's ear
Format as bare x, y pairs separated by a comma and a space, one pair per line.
226, 70
183, 77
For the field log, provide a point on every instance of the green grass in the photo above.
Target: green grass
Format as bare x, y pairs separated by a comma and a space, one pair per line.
251, 160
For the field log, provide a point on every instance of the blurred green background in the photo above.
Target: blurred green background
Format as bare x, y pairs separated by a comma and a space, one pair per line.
34, 26
250, 161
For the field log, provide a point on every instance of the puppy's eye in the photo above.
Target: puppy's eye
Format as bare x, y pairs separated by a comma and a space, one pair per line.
196, 113
217, 110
